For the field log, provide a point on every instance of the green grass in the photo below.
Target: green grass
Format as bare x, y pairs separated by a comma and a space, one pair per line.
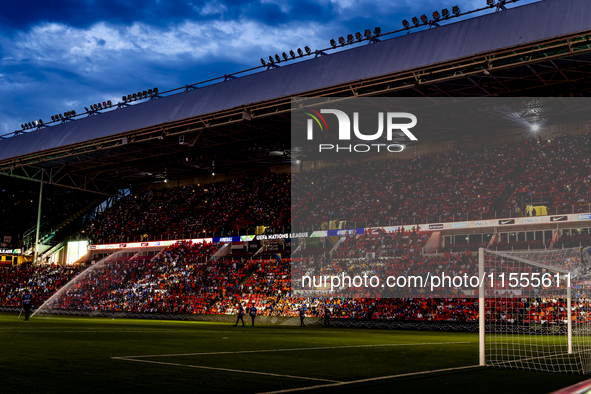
68, 354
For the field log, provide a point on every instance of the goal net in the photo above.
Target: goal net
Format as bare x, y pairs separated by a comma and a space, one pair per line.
534, 310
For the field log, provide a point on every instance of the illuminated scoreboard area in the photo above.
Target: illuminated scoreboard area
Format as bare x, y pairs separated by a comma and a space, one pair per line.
75, 251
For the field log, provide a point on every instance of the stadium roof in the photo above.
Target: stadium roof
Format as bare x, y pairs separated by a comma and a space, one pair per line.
485, 56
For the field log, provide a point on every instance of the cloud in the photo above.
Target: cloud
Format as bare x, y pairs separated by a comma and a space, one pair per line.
55, 67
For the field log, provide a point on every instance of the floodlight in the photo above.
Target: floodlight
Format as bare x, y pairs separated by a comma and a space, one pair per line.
405, 24
300, 52
349, 38
445, 12
341, 41
155, 90
377, 31
105, 104
436, 15
277, 58
490, 3
307, 49
358, 36
134, 96
367, 33
128, 97
144, 93
292, 54
424, 18
109, 103
455, 9
271, 60
284, 56
415, 20
535, 128
333, 43
52, 118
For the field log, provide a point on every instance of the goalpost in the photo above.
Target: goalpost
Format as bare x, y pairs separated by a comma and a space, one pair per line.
534, 311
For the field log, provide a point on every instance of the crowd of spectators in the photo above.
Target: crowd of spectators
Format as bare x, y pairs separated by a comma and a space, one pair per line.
185, 279
42, 280
218, 209
463, 184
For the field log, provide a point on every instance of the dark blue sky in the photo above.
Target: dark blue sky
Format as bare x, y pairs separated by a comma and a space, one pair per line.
64, 55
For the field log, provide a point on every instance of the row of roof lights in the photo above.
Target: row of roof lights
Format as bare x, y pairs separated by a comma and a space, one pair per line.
358, 37
436, 16
30, 125
96, 107
285, 57
66, 115
140, 95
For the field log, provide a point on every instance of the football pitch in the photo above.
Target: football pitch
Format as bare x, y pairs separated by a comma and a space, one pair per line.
53, 354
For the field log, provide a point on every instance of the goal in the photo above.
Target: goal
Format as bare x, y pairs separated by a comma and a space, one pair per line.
534, 311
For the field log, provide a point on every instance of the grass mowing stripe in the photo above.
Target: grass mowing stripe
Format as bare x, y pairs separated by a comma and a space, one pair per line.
321, 386
227, 370
288, 350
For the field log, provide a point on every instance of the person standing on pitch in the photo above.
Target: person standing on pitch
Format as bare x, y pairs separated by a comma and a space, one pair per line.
27, 303
253, 313
302, 316
240, 315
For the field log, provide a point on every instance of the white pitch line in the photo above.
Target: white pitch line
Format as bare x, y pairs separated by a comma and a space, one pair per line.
288, 350
320, 386
228, 370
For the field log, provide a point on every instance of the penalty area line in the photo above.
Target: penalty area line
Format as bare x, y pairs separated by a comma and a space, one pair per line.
227, 370
289, 350
321, 386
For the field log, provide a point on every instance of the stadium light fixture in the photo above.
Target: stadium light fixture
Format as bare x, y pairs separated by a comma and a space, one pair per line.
367, 33
271, 60
292, 54
300, 52
277, 58
436, 15
263, 62
535, 128
415, 20
285, 57
307, 49
424, 18
405, 24
358, 36
490, 3
342, 41
333, 43
349, 38
455, 10
377, 31
445, 13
